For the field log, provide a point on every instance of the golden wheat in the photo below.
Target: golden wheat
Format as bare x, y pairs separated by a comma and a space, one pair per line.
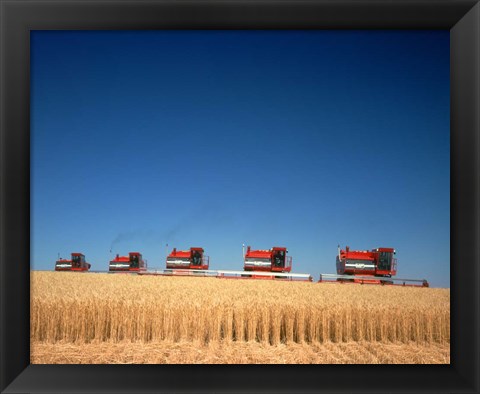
83, 308
168, 352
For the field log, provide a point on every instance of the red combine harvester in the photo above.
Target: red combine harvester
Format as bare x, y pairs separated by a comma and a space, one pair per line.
193, 259
131, 263
267, 264
271, 260
77, 263
377, 266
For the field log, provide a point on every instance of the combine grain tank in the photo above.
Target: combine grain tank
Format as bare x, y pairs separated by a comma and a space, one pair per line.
76, 263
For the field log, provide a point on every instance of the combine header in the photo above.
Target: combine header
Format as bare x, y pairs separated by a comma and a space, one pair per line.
131, 263
77, 263
376, 266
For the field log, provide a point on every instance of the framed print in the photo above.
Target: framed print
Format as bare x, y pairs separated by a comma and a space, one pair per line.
64, 65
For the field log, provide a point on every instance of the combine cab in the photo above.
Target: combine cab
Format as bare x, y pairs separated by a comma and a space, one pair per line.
77, 263
193, 259
376, 266
131, 263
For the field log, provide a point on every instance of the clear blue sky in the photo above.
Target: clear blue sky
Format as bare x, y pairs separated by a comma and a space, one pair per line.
303, 139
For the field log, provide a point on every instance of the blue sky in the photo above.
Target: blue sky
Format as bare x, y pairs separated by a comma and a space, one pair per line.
303, 139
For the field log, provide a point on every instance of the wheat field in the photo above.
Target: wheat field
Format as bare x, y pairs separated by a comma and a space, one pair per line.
122, 318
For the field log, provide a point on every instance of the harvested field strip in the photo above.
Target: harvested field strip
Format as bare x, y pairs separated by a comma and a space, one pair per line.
83, 308
167, 352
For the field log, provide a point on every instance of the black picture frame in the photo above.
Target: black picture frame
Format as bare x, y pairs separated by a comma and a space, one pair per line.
19, 17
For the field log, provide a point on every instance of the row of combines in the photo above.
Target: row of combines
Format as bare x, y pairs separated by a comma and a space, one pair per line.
377, 266
257, 264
